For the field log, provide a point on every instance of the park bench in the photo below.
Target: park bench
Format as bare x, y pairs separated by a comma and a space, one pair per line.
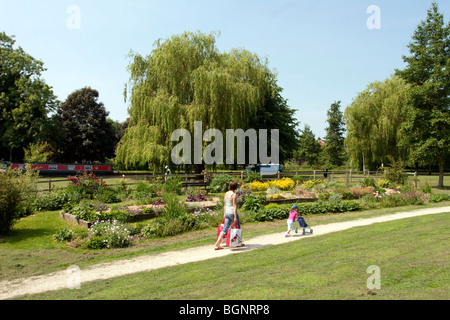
195, 183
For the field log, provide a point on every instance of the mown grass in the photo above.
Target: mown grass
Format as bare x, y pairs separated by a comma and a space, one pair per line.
413, 256
30, 249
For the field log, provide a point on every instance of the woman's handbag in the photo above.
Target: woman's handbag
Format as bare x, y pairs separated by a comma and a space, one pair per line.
234, 237
219, 230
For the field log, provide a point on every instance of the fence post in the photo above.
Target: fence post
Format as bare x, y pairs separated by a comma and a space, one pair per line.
242, 175
314, 174
49, 185
350, 176
415, 180
278, 175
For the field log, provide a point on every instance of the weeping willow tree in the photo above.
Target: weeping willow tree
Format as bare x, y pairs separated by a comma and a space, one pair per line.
373, 122
186, 79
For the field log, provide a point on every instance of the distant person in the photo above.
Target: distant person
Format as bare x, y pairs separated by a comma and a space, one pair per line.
167, 173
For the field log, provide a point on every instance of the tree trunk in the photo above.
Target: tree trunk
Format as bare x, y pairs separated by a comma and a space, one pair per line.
199, 168
441, 173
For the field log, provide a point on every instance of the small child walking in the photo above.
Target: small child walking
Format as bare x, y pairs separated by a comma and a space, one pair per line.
291, 220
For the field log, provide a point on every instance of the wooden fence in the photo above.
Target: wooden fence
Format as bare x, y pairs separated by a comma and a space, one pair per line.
347, 177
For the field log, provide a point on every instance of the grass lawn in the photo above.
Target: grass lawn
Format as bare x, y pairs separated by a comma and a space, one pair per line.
412, 254
30, 250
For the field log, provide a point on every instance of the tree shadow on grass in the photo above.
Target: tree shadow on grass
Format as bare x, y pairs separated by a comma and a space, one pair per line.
25, 234
443, 188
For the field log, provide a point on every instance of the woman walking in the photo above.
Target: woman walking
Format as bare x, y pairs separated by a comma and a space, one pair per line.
230, 213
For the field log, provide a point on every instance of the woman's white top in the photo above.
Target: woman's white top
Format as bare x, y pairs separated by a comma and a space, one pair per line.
229, 203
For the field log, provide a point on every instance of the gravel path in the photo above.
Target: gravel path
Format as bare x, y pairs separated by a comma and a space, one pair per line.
59, 280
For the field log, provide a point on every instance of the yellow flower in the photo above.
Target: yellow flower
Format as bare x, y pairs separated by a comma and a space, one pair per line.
259, 186
283, 184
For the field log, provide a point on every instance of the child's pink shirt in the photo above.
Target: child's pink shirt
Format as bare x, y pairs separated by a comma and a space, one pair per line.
292, 215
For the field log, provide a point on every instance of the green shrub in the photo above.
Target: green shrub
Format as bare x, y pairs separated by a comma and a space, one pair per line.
52, 201
203, 216
146, 190
369, 202
427, 188
395, 171
368, 182
174, 209
437, 197
16, 191
346, 195
163, 227
335, 198
95, 243
220, 183
85, 210
108, 194
261, 216
321, 207
153, 229
113, 235
270, 214
297, 179
251, 203
65, 235
119, 215
253, 176
173, 185
271, 206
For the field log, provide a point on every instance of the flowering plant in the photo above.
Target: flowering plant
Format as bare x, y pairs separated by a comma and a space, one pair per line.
361, 192
283, 184
86, 183
259, 186
383, 183
207, 176
113, 235
311, 183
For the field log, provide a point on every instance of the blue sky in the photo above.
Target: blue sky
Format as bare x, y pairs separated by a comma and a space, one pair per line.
322, 50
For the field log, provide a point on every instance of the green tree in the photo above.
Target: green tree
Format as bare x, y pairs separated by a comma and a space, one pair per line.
373, 122
309, 147
88, 136
25, 100
186, 79
334, 148
276, 114
37, 153
427, 129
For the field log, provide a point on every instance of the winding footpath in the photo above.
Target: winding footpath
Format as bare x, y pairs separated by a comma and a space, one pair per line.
59, 280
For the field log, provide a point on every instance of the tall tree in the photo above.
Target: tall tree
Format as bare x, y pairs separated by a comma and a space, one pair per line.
186, 79
334, 148
89, 137
25, 100
277, 114
309, 147
373, 122
427, 128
